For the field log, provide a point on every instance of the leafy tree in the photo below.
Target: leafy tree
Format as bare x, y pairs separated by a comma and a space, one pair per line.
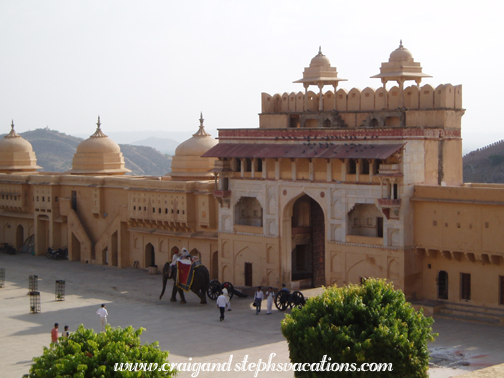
496, 159
368, 323
88, 354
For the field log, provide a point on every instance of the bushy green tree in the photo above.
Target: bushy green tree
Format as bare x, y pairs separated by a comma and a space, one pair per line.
88, 354
368, 323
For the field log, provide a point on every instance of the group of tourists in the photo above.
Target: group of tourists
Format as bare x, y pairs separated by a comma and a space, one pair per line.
224, 302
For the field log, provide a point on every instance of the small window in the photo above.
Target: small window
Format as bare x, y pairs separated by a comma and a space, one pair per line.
43, 199
166, 211
159, 210
55, 199
38, 198
352, 167
145, 208
153, 209
487, 225
434, 223
48, 199
134, 207
178, 211
183, 212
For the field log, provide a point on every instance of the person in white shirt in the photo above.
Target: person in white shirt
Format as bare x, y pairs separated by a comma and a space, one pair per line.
102, 313
270, 295
226, 294
258, 297
221, 303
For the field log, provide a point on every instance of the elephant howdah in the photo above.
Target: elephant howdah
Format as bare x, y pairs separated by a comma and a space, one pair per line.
198, 283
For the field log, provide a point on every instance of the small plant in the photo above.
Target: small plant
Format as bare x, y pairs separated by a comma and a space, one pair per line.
369, 323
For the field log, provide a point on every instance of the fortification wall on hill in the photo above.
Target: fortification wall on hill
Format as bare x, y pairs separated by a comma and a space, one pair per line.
485, 152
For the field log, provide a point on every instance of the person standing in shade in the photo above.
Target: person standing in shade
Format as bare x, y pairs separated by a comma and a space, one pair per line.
221, 303
65, 332
258, 297
54, 334
226, 294
102, 313
270, 295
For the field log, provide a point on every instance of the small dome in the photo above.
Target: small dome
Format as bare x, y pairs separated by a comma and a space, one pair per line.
320, 60
401, 54
187, 162
16, 154
98, 155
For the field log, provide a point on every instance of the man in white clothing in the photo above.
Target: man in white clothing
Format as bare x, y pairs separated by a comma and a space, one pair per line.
221, 303
226, 294
102, 313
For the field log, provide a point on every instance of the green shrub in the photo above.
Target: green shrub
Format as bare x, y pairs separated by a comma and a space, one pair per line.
370, 323
87, 354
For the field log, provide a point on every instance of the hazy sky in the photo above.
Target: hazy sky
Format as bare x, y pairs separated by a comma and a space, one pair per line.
154, 65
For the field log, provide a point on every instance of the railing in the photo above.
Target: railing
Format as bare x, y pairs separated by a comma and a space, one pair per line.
389, 202
388, 168
222, 193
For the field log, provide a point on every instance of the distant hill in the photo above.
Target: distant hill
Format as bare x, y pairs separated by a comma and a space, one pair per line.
55, 151
485, 164
164, 145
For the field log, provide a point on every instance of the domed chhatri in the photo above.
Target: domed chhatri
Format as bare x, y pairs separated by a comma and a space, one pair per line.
188, 163
320, 73
98, 155
16, 154
401, 67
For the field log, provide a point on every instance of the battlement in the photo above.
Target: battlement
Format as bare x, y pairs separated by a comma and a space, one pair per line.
444, 96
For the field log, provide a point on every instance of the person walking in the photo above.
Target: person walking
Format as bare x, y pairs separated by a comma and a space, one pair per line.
270, 295
65, 332
222, 303
226, 294
258, 297
54, 334
102, 313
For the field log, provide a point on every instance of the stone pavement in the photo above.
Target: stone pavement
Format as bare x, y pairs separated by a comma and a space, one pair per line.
187, 331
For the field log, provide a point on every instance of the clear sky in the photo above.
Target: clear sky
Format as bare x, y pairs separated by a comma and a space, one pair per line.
154, 65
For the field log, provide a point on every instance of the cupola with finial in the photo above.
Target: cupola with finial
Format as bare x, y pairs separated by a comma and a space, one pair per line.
98, 155
320, 73
400, 68
188, 163
16, 154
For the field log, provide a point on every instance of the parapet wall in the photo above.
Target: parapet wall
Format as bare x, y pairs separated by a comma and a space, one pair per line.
486, 151
445, 96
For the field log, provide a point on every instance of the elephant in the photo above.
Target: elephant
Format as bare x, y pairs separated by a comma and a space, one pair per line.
199, 285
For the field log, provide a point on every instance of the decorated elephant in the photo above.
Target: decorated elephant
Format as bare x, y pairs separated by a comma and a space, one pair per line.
197, 284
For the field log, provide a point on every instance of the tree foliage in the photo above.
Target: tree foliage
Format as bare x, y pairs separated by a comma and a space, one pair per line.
370, 323
88, 354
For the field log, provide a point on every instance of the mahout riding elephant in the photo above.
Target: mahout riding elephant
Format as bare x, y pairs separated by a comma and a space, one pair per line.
199, 284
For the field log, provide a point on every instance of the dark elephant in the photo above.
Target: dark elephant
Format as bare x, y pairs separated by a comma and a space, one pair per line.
199, 285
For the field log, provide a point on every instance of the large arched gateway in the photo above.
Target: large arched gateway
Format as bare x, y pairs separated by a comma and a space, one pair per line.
307, 243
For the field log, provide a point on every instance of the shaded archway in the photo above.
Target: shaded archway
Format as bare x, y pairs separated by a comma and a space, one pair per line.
308, 242
76, 249
442, 283
19, 237
42, 234
215, 266
150, 256
114, 249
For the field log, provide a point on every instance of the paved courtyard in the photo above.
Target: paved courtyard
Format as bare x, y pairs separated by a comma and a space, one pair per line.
190, 330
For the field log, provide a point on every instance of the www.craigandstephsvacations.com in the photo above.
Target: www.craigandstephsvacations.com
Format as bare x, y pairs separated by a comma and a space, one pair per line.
244, 365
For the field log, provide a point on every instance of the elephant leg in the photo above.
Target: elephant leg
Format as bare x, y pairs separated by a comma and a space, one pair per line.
174, 293
202, 296
182, 297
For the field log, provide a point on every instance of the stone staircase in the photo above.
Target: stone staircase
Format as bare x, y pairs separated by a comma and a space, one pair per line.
461, 312
476, 314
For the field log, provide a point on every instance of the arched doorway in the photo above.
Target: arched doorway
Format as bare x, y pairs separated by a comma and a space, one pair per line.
308, 243
42, 234
215, 265
442, 285
150, 256
19, 237
76, 249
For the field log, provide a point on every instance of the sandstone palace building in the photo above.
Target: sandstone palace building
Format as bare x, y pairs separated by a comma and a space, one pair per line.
333, 187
